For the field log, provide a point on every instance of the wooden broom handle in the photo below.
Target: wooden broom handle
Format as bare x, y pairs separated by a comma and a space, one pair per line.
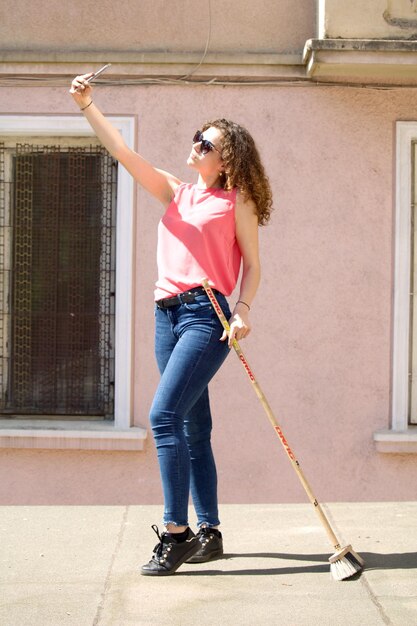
272, 419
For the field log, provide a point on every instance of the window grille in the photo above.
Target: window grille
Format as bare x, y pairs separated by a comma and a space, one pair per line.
57, 275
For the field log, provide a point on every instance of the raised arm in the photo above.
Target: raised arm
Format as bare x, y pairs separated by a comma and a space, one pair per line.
159, 183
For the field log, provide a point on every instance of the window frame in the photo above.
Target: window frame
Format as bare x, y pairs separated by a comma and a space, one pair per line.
401, 437
75, 125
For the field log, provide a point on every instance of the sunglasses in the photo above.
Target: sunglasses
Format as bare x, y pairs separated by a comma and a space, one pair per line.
205, 145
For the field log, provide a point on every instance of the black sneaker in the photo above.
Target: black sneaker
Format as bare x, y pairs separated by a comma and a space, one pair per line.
211, 546
169, 554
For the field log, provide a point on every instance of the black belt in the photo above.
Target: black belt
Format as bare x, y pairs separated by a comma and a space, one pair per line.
185, 296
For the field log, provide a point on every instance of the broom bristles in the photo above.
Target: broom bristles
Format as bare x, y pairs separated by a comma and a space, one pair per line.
345, 563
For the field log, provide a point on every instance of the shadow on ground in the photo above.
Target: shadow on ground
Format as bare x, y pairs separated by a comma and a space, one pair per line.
373, 561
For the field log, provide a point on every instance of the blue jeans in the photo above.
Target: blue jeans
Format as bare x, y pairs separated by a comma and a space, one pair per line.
188, 352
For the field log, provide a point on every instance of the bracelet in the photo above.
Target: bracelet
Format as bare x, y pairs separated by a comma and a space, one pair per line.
86, 107
241, 301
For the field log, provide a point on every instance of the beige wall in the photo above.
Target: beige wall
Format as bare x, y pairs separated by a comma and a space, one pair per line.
372, 19
321, 344
157, 26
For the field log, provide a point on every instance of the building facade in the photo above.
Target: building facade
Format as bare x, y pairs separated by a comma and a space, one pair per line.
328, 90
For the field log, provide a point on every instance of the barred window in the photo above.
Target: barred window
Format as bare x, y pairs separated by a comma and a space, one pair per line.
57, 280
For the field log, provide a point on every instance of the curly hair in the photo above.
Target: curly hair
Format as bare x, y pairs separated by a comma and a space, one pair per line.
243, 167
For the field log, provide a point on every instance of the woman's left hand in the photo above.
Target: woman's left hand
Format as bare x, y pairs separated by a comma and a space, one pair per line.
240, 326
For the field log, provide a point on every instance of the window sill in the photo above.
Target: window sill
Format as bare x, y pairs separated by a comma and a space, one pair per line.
396, 442
69, 435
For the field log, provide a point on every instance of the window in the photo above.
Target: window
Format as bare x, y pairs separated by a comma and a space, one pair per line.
402, 435
57, 263
120, 434
404, 333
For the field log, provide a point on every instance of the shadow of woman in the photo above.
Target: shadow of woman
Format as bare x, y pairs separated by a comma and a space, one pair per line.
373, 561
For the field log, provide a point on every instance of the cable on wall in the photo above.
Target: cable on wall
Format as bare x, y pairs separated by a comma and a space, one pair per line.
206, 48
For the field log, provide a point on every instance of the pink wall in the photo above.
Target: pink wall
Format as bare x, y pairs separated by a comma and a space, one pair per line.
321, 344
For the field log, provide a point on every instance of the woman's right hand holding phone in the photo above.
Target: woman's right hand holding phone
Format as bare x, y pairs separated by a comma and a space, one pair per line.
81, 90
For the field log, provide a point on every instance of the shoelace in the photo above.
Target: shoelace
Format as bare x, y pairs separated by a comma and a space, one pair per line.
160, 552
206, 534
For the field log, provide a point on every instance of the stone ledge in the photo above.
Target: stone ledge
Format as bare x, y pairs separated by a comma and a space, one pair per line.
378, 45
396, 442
69, 435
140, 56
35, 65
369, 61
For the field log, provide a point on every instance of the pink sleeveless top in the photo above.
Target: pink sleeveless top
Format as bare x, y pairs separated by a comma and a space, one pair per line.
196, 240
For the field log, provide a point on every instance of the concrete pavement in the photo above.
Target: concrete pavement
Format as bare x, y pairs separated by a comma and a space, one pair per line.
78, 566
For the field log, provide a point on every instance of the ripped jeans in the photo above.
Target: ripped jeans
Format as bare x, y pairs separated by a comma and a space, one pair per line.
188, 352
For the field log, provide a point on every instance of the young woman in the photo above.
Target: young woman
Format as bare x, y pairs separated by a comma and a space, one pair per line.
209, 229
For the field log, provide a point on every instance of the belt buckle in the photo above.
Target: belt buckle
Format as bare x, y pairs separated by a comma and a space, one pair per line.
187, 297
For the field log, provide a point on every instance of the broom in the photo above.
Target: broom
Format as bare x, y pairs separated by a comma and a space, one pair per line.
345, 562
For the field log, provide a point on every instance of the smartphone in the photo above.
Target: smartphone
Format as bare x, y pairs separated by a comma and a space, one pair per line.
94, 76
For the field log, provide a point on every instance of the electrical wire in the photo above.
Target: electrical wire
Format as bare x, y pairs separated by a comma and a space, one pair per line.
301, 81
59, 81
206, 48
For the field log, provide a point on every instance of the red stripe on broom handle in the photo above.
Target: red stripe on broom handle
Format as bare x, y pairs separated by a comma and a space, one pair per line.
272, 418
